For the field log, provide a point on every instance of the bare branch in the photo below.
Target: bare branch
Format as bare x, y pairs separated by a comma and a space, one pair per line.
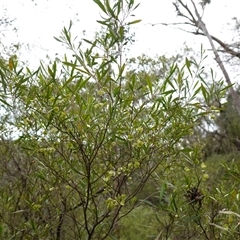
168, 24
193, 20
225, 46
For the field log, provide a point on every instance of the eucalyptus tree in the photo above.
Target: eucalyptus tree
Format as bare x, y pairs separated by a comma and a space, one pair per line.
194, 18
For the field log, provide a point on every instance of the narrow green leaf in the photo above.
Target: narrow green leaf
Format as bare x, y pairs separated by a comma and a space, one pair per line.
4, 83
121, 70
116, 91
121, 33
149, 83
204, 92
161, 195
85, 40
106, 23
188, 64
73, 68
196, 92
68, 81
58, 39
4, 102
98, 2
50, 71
70, 64
113, 35
80, 84
109, 9
168, 79
118, 5
82, 71
134, 22
149, 203
226, 88
136, 6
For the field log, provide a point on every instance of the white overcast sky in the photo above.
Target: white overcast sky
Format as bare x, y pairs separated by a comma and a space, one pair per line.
39, 20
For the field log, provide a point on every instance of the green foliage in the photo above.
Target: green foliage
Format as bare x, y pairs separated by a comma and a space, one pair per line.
224, 137
174, 216
92, 131
229, 125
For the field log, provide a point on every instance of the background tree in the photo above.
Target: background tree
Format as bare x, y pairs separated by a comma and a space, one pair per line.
194, 19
